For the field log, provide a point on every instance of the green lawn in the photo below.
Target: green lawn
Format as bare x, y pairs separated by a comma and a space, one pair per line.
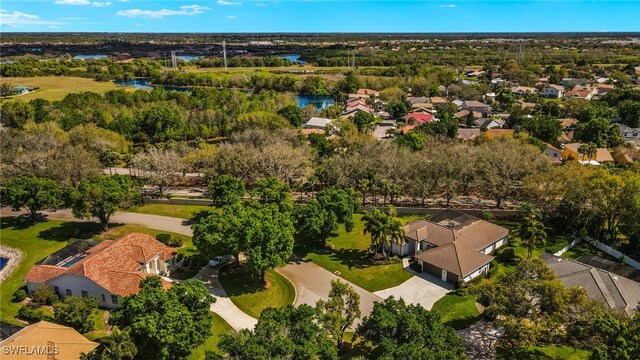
561, 352
218, 327
250, 296
348, 256
457, 311
98, 328
37, 241
177, 211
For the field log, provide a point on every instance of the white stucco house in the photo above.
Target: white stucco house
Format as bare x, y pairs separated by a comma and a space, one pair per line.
553, 91
108, 271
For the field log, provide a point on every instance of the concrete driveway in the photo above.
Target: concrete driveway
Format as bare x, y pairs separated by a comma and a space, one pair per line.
422, 289
223, 305
380, 131
313, 283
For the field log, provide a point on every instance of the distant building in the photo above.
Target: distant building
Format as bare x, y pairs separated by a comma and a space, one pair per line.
553, 91
629, 133
571, 151
554, 154
478, 106
317, 123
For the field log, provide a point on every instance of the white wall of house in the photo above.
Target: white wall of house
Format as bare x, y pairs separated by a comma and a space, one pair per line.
78, 284
477, 273
493, 247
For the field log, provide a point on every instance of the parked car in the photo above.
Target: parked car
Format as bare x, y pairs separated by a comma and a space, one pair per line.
220, 260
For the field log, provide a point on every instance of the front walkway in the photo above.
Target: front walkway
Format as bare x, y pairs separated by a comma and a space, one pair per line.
422, 289
223, 305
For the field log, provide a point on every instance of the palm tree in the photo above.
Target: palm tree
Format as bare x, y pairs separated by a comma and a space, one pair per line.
117, 346
394, 233
374, 224
532, 233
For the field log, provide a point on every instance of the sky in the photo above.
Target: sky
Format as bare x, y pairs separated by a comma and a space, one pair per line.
266, 16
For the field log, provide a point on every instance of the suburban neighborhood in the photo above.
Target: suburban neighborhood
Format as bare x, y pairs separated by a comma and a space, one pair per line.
238, 186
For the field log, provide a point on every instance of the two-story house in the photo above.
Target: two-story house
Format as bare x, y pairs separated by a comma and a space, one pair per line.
107, 271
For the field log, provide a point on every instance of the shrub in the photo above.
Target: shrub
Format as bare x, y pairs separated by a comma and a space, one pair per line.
508, 255
557, 245
169, 240
45, 295
31, 313
19, 295
486, 215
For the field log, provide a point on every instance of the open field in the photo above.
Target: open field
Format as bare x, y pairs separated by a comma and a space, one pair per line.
457, 311
251, 297
57, 87
348, 256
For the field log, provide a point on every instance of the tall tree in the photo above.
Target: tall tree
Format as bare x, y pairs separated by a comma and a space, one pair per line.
226, 190
160, 167
532, 230
33, 194
166, 324
315, 222
281, 333
75, 311
101, 197
400, 331
339, 311
221, 234
374, 225
273, 191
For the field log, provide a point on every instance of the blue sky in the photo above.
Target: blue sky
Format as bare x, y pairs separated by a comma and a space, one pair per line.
317, 16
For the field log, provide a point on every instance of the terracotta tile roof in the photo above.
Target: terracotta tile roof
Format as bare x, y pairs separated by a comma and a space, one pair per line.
455, 259
70, 343
419, 117
112, 265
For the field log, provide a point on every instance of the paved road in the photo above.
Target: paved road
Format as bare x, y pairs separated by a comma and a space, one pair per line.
313, 283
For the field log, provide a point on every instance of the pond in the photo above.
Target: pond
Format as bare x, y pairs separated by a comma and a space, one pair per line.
188, 57
83, 56
3, 262
143, 83
294, 58
319, 101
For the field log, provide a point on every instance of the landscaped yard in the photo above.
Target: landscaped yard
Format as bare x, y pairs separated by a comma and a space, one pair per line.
98, 328
457, 311
348, 256
178, 211
37, 241
562, 352
250, 296
218, 327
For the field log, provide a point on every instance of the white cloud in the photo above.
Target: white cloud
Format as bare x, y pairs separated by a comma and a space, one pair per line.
231, 17
54, 27
188, 10
83, 3
449, 6
225, 2
261, 4
18, 19
72, 18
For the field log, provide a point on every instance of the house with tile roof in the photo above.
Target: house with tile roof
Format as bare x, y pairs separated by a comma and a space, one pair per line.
612, 290
108, 271
572, 152
45, 341
418, 118
451, 245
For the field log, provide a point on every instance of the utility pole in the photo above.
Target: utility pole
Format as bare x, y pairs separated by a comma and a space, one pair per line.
224, 53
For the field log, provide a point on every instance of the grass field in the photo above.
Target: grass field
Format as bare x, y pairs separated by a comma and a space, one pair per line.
57, 87
457, 311
348, 256
178, 211
250, 296
561, 352
37, 241
218, 327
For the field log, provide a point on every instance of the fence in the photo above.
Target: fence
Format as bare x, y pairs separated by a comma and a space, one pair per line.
616, 254
566, 248
499, 213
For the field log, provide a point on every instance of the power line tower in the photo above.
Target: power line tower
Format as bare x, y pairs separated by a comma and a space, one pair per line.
520, 55
224, 52
174, 61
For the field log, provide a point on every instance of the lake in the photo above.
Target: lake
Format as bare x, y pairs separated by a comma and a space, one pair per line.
294, 58
319, 101
188, 57
83, 57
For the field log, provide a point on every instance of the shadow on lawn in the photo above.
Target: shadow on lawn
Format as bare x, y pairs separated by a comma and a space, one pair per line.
20, 222
71, 230
238, 280
351, 258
